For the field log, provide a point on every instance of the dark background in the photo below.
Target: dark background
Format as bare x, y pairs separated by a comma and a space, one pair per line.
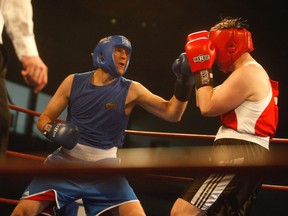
68, 30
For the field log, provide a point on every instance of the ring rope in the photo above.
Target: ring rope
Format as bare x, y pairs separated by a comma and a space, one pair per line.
9, 201
183, 179
27, 111
22, 155
143, 133
132, 132
146, 133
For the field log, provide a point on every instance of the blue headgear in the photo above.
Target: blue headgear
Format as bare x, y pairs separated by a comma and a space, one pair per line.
103, 56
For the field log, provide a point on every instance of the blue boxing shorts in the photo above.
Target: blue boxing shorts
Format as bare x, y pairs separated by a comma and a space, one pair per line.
98, 193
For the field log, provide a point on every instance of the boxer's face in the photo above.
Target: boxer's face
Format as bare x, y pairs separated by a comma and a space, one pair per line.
120, 59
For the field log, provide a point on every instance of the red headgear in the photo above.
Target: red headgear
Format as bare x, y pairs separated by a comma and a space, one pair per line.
230, 44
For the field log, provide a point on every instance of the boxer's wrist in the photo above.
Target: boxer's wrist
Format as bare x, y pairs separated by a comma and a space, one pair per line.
47, 128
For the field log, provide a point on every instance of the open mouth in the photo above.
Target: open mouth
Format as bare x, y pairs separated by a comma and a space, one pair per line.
122, 65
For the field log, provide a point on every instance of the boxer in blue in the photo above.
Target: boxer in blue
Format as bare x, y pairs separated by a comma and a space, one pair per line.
99, 103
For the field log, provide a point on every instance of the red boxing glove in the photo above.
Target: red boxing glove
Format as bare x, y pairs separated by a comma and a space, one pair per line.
196, 35
201, 56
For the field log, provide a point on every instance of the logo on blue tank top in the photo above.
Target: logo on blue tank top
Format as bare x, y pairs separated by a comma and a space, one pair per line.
110, 106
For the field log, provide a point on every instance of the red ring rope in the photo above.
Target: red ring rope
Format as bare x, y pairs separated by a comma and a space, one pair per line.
185, 179
143, 133
9, 201
22, 155
146, 133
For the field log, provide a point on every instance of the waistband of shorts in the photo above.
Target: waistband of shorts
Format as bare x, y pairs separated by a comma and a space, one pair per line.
88, 153
225, 132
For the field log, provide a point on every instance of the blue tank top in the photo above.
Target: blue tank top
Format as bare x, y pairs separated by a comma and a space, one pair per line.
99, 111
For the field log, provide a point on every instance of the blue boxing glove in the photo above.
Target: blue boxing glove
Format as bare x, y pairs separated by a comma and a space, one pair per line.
65, 134
185, 79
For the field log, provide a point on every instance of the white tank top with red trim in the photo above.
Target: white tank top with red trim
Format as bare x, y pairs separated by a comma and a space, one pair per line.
251, 121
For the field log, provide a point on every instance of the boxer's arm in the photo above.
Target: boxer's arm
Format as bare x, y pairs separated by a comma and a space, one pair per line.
64, 134
233, 91
169, 110
57, 104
